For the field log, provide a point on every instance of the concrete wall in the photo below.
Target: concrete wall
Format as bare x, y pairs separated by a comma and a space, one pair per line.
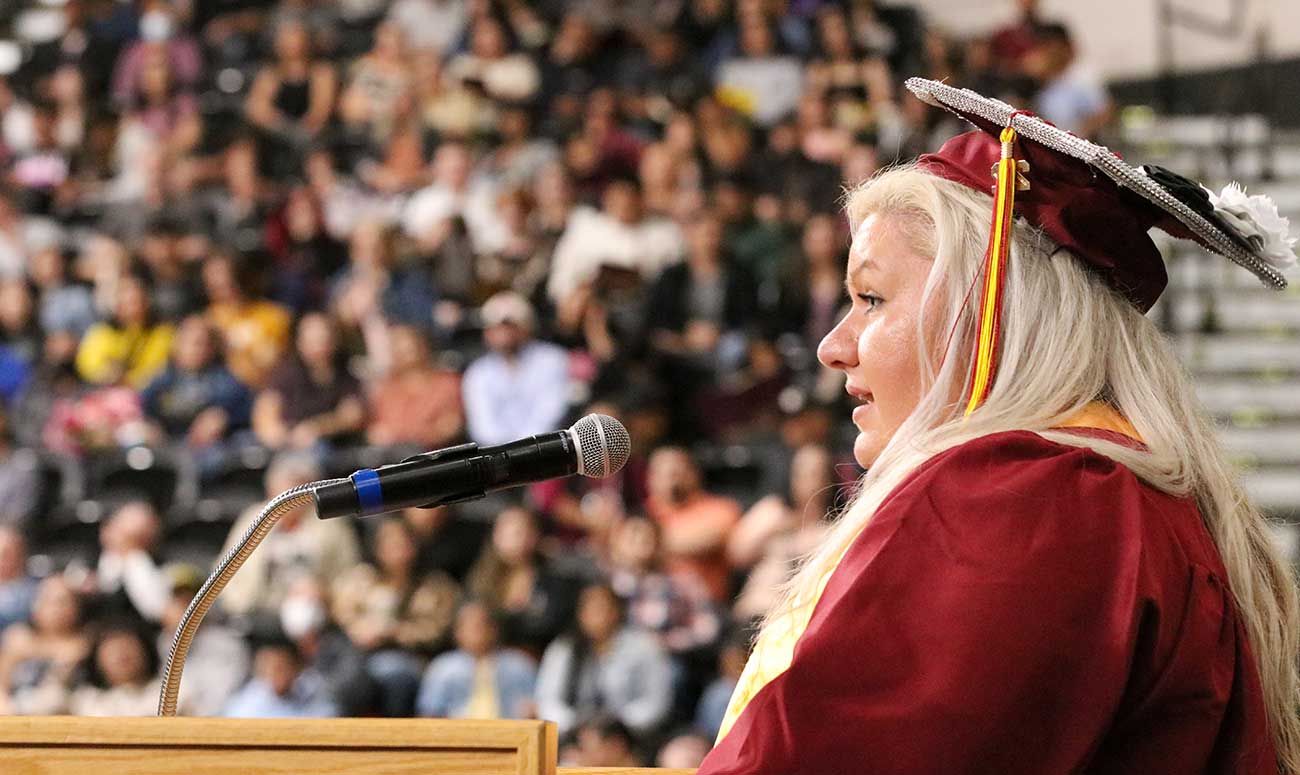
1119, 37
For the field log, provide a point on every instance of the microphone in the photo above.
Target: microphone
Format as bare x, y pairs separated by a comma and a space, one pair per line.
596, 446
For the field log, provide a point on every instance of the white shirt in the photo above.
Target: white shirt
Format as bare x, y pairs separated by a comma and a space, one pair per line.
593, 239
477, 204
505, 400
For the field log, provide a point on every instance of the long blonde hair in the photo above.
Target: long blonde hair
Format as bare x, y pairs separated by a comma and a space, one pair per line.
1067, 340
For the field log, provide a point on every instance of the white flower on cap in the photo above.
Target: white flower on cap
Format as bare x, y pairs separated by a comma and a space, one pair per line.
1256, 218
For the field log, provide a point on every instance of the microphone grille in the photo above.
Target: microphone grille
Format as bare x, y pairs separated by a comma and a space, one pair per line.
603, 445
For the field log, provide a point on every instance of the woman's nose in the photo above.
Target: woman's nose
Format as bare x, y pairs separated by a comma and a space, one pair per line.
839, 349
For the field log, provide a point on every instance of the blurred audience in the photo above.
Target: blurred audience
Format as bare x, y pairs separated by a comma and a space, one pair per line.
479, 679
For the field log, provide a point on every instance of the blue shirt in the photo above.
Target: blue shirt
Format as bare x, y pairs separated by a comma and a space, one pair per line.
449, 682
307, 698
505, 400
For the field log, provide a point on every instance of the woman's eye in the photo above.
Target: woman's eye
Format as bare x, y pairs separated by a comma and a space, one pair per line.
871, 300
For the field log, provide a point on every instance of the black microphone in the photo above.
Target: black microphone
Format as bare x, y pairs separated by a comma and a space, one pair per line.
597, 446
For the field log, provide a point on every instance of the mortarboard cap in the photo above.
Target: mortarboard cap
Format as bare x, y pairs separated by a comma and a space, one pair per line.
1089, 201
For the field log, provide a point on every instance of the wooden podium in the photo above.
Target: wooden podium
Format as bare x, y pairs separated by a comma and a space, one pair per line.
62, 745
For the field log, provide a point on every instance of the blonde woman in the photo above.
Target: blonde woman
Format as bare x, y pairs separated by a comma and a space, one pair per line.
1049, 566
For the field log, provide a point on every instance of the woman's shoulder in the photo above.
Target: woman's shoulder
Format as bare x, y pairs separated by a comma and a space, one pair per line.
1019, 481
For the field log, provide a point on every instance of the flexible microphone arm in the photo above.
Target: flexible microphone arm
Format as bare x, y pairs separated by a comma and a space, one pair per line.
230, 564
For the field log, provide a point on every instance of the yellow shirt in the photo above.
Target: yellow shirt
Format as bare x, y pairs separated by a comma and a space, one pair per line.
135, 355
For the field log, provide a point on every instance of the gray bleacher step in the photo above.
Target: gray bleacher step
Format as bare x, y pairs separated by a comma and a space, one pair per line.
1269, 445
1275, 490
1239, 353
1268, 400
1238, 310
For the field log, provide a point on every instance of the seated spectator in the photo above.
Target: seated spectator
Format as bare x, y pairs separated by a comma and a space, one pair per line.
603, 741
479, 679
123, 676
129, 349
292, 95
19, 328
712, 707
448, 542
325, 649
196, 400
490, 64
311, 400
699, 309
456, 197
1071, 95
371, 287
762, 82
780, 529
164, 114
218, 660
126, 573
300, 546
685, 751
695, 524
62, 305
604, 665
431, 25
281, 688
810, 287
619, 235
40, 661
20, 485
305, 254
682, 617
413, 401
255, 331
378, 94
395, 616
517, 365
159, 36
168, 248
17, 587
514, 578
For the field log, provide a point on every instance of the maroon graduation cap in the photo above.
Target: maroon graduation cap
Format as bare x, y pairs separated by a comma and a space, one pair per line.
1089, 201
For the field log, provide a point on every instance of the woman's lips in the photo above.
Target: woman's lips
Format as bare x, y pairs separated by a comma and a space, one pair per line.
860, 412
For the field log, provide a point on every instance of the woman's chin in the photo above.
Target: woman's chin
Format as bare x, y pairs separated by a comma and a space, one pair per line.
866, 448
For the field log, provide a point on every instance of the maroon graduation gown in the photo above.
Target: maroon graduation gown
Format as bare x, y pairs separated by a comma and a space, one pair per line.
1016, 606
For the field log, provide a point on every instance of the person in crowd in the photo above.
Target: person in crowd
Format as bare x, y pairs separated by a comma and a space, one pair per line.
127, 573
695, 524
196, 399
40, 660
762, 81
132, 347
479, 679
396, 617
292, 96
413, 401
17, 586
456, 199
372, 288
165, 118
311, 399
684, 751
516, 365
378, 93
160, 35
447, 541
520, 582
779, 529
281, 687
255, 331
300, 546
122, 679
62, 304
1071, 95
604, 741
681, 615
20, 486
619, 235
606, 665
490, 64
